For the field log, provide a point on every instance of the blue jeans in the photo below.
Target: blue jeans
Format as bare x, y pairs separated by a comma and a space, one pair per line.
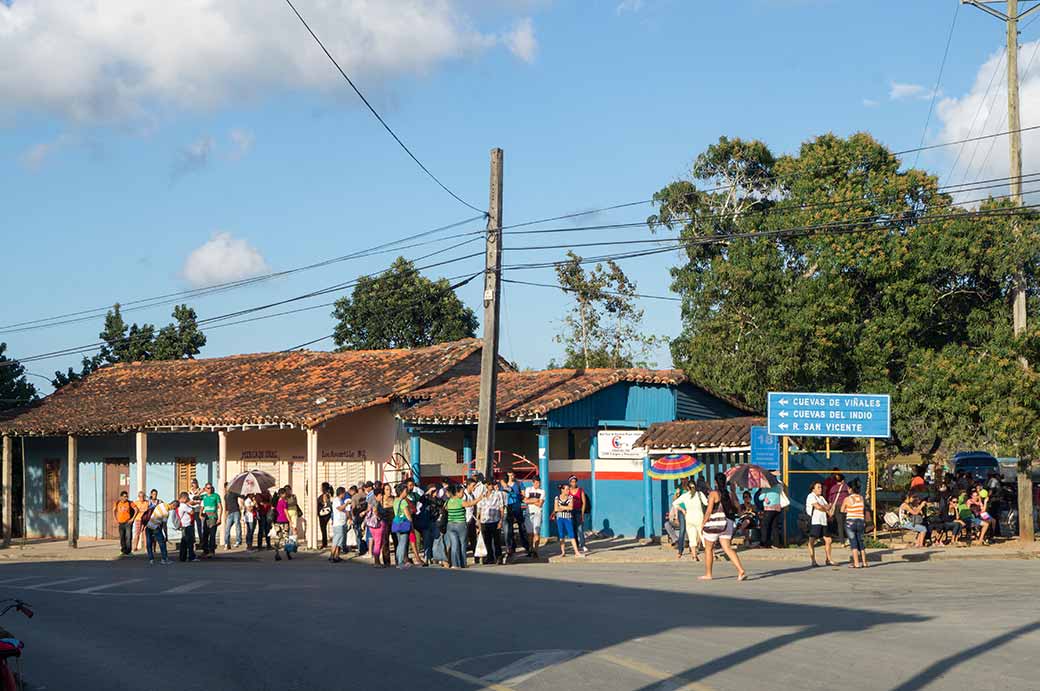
250, 529
402, 548
516, 513
360, 531
433, 548
233, 518
855, 529
578, 520
682, 536
457, 544
152, 536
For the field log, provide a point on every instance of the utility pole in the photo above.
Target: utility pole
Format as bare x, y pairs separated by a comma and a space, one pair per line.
1018, 281
485, 451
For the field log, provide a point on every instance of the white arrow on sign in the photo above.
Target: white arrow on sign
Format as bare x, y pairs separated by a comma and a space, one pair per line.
782, 401
783, 413
782, 425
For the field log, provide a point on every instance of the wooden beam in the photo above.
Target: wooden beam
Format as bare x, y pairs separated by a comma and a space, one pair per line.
72, 504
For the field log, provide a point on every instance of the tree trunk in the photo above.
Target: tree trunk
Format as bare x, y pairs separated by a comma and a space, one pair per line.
1025, 502
584, 333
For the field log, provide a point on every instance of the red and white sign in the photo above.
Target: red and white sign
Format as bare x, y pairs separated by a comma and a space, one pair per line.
618, 443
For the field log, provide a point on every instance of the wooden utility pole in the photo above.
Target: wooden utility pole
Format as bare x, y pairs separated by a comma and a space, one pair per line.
1018, 281
487, 417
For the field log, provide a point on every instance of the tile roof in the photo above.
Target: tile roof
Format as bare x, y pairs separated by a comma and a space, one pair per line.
734, 432
523, 395
302, 388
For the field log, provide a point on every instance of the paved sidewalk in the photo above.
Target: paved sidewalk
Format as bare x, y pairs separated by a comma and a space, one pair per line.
603, 550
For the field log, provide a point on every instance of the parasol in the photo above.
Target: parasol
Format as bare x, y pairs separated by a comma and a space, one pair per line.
674, 467
252, 482
751, 476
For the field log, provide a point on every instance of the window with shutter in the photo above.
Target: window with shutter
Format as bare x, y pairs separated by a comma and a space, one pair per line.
185, 473
51, 485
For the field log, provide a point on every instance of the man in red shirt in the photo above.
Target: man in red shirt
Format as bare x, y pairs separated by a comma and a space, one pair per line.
580, 505
123, 511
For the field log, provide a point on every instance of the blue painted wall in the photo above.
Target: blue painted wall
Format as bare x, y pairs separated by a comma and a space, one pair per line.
622, 401
694, 403
38, 523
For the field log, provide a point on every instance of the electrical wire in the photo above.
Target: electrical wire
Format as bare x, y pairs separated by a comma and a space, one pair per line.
605, 292
938, 82
376, 113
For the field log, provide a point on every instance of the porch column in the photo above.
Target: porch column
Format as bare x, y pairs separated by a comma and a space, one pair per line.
311, 510
222, 460
543, 472
141, 456
8, 477
648, 504
415, 453
467, 451
72, 503
593, 454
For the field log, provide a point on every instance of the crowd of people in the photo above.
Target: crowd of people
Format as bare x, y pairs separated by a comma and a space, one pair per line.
400, 525
952, 508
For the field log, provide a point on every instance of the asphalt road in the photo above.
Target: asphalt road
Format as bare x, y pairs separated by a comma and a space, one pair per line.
307, 624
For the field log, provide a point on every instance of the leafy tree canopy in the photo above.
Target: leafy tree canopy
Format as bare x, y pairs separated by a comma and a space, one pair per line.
15, 390
179, 339
400, 308
602, 329
912, 300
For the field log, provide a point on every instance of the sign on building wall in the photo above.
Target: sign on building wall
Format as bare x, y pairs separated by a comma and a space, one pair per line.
618, 443
829, 414
765, 448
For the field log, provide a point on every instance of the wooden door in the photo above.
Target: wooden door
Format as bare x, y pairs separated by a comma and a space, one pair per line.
117, 479
185, 468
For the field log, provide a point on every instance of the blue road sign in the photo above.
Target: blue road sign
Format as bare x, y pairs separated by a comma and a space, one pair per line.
829, 414
765, 448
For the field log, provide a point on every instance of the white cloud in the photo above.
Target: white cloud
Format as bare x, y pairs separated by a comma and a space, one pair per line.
221, 259
629, 6
193, 157
37, 155
241, 143
521, 41
870, 103
901, 90
974, 114
125, 60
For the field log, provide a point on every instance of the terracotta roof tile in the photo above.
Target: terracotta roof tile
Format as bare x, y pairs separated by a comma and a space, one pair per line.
523, 395
302, 388
704, 434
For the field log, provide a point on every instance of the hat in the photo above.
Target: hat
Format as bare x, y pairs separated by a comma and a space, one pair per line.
572, 477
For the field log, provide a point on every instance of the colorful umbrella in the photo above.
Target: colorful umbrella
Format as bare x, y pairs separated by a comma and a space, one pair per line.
252, 482
750, 476
675, 466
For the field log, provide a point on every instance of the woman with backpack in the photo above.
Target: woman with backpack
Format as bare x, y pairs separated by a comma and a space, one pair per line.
324, 512
402, 526
282, 526
719, 528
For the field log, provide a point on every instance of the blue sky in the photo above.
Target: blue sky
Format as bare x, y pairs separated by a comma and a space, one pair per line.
131, 139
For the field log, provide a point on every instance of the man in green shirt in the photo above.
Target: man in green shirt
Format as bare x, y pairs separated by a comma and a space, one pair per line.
212, 510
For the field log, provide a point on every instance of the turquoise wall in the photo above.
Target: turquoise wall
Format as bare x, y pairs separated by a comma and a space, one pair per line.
623, 401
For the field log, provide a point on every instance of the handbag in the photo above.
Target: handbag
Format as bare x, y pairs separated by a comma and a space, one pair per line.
372, 519
480, 551
785, 500
401, 525
716, 524
834, 506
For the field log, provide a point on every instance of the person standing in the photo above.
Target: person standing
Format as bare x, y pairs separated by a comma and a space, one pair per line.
563, 510
325, 514
534, 500
211, 516
141, 507
292, 511
580, 508
358, 507
456, 527
249, 518
835, 518
376, 525
402, 525
721, 511
771, 508
854, 509
282, 527
233, 511
691, 512
264, 513
470, 496
123, 511
195, 497
515, 514
817, 508
155, 533
338, 508
489, 516
186, 520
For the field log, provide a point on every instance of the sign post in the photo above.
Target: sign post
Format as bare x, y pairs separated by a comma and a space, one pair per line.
829, 414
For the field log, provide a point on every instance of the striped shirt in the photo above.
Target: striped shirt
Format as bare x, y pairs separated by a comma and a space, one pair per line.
854, 507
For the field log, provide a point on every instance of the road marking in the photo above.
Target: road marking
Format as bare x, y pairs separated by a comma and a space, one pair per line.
185, 588
476, 681
105, 586
15, 580
41, 586
523, 669
652, 672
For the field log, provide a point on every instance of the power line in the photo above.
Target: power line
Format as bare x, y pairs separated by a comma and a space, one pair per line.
605, 292
978, 111
938, 81
376, 113
168, 298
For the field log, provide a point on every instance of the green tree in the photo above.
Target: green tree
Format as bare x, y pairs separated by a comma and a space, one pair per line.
180, 339
15, 390
400, 308
887, 306
602, 329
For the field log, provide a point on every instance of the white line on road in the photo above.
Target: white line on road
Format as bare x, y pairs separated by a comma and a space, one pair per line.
15, 580
41, 586
523, 669
105, 586
185, 588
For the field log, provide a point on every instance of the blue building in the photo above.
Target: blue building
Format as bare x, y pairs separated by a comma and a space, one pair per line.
559, 423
